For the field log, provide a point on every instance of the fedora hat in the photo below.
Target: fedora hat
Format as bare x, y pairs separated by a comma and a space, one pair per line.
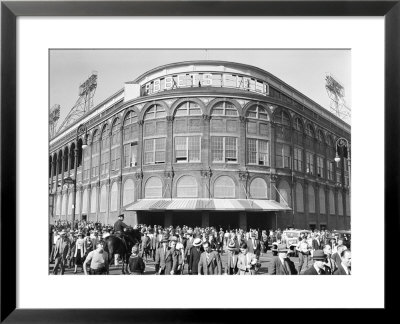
282, 248
319, 255
232, 246
197, 242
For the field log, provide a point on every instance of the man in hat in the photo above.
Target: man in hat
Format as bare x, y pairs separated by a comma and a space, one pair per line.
153, 243
119, 227
145, 245
281, 264
344, 268
61, 252
194, 256
336, 256
210, 261
253, 245
318, 268
136, 265
247, 262
330, 265
166, 259
189, 244
230, 265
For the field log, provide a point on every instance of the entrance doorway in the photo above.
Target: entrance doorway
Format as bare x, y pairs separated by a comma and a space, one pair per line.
188, 218
226, 220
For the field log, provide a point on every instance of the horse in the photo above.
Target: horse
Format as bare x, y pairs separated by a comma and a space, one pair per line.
115, 245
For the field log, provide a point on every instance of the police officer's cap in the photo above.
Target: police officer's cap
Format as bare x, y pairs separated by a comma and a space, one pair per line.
121, 215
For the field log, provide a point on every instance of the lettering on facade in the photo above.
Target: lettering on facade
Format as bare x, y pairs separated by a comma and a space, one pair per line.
198, 80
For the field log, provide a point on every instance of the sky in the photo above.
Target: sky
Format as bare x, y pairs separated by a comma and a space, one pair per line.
304, 70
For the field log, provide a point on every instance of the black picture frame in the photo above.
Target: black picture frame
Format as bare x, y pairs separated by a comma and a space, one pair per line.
10, 10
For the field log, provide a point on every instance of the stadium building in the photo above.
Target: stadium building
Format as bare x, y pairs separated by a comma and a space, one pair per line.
204, 143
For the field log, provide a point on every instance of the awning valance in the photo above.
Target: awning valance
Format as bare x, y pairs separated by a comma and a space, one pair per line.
207, 204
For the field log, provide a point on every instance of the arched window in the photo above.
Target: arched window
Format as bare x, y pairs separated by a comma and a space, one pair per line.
285, 197
322, 209
155, 112
54, 164
129, 192
93, 200
153, 188
309, 130
115, 146
299, 198
298, 125
224, 187
85, 201
340, 203
348, 209
282, 117
70, 204
257, 112
86, 162
114, 197
131, 128
64, 205
95, 153
103, 199
80, 150
78, 203
188, 108
59, 162
258, 189
105, 149
310, 136
331, 203
298, 132
58, 204
224, 108
186, 187
311, 199
65, 157
50, 166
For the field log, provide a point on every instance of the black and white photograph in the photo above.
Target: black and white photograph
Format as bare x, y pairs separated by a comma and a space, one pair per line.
199, 162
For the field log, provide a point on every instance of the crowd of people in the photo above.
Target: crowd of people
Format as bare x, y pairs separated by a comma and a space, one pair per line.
196, 250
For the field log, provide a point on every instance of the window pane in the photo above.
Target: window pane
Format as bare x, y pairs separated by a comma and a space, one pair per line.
224, 187
194, 148
153, 188
217, 147
252, 150
263, 152
180, 147
258, 188
187, 187
230, 148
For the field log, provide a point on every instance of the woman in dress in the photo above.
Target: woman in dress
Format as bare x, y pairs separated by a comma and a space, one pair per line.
80, 251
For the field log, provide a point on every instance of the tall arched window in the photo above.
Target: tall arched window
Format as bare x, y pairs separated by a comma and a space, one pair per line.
224, 187
348, 210
340, 203
114, 197
58, 204
103, 199
95, 153
258, 189
64, 205
322, 209
105, 149
131, 135
188, 108
59, 162
311, 199
155, 132
78, 203
285, 197
186, 187
299, 198
85, 201
331, 203
257, 112
70, 204
153, 188
224, 149
93, 200
116, 145
129, 192
310, 135
65, 157
86, 162
298, 132
281, 117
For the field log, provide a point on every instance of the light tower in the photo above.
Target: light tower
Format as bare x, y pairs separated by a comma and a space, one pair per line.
84, 102
53, 119
336, 93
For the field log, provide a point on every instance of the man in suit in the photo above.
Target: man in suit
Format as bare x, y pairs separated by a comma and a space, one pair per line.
61, 252
153, 243
330, 265
247, 262
336, 256
319, 264
194, 257
166, 258
145, 245
254, 245
344, 268
210, 261
230, 265
281, 264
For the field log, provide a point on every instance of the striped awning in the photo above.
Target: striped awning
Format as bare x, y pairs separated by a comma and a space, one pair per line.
207, 204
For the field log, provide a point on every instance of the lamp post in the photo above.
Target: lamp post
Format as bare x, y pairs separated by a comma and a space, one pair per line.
343, 151
81, 130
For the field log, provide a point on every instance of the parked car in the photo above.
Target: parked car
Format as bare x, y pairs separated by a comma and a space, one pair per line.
291, 239
344, 235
